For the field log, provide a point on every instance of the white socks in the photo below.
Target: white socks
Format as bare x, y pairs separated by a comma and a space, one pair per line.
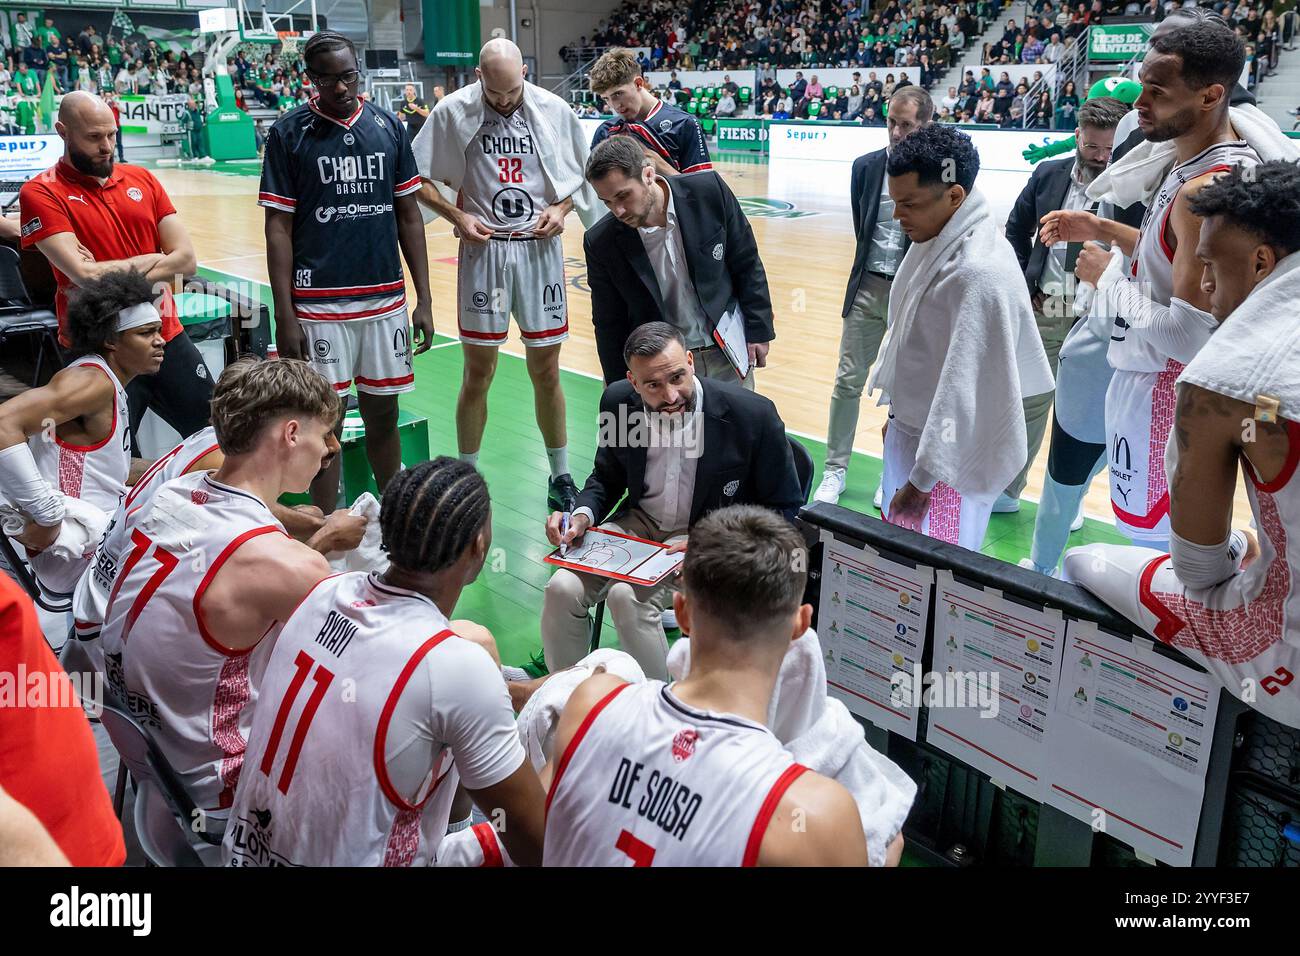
559, 459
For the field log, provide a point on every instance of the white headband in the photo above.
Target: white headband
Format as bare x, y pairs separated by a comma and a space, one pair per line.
136, 316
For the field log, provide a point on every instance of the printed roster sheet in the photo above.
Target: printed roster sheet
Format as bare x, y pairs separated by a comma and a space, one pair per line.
872, 623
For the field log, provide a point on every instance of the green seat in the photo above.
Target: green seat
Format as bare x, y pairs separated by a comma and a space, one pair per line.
832, 92
814, 109
693, 107
195, 308
745, 94
711, 93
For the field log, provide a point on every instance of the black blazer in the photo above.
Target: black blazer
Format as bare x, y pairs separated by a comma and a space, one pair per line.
1045, 192
721, 255
745, 457
865, 183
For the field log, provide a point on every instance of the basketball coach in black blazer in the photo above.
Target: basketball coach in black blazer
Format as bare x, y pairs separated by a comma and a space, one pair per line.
707, 445
678, 250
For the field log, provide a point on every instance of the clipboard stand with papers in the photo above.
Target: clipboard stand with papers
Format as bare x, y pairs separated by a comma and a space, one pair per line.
645, 555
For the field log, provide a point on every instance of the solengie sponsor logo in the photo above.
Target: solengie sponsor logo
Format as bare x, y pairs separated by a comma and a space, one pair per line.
76, 909
326, 214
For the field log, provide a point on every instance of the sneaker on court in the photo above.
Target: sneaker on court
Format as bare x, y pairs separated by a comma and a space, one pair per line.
832, 486
1006, 505
878, 500
561, 493
536, 666
1077, 523
1028, 565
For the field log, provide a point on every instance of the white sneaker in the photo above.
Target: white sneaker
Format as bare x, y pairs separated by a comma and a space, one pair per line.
1077, 523
1028, 565
832, 486
878, 501
1006, 505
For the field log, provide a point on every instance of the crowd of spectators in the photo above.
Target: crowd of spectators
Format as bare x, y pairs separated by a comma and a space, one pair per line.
896, 42
926, 38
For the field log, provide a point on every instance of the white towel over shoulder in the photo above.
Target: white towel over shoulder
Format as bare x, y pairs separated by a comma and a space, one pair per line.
562, 143
962, 351
1257, 348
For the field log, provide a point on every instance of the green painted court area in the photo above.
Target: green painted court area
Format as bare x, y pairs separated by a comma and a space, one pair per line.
507, 597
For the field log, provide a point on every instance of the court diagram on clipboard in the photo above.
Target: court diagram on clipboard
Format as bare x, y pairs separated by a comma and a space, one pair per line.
614, 555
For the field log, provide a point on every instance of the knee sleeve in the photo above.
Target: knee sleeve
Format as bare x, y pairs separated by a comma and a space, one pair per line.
1070, 461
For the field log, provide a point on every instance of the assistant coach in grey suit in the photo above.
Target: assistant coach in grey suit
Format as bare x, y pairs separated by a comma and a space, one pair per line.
677, 250
880, 248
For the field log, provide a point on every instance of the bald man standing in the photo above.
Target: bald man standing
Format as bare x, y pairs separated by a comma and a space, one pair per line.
502, 161
89, 216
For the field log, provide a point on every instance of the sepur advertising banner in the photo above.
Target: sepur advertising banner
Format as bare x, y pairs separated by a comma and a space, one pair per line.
749, 135
1118, 42
151, 114
25, 154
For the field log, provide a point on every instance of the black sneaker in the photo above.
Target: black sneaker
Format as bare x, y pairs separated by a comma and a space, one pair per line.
562, 493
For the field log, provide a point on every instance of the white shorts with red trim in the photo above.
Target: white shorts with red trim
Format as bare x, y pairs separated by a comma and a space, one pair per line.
953, 517
523, 277
1139, 417
373, 354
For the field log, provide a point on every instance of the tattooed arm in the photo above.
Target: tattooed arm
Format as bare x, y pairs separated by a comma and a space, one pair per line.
1208, 429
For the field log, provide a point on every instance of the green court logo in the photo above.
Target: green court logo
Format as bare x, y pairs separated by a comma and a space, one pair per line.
760, 207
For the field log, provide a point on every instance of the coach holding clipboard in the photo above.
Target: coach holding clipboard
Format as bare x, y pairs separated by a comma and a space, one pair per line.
678, 250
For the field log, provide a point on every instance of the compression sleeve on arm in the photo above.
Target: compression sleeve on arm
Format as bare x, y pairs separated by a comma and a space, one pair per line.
1205, 565
1178, 331
22, 483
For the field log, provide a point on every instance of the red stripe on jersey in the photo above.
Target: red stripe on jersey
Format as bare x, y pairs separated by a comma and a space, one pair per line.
697, 167
1288, 468
233, 694
413, 182
272, 197
103, 441
225, 554
344, 316
386, 717
789, 776
386, 382
72, 469
356, 291
346, 124
342, 386
487, 840
570, 750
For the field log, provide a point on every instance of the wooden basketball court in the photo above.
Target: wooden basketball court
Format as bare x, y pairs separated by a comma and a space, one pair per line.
807, 253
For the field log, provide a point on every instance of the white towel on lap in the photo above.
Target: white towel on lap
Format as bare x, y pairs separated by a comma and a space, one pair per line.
561, 141
823, 736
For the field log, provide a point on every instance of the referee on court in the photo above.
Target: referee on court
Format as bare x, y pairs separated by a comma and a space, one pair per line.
339, 184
